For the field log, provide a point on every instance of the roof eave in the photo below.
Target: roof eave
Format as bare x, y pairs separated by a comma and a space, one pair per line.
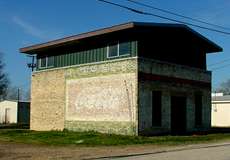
212, 47
34, 48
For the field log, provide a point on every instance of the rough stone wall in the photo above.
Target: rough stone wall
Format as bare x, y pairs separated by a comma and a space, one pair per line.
172, 70
105, 98
100, 97
190, 110
169, 89
47, 100
207, 109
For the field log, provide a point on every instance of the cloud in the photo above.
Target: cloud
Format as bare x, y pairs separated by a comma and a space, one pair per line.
29, 28
35, 31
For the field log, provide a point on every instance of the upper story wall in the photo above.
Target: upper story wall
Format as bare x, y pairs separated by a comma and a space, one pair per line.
91, 54
162, 49
169, 72
171, 45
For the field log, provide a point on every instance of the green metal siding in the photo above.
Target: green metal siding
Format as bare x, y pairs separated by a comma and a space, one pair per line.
87, 56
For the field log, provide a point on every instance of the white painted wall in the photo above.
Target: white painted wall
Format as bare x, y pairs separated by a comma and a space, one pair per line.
220, 114
12, 111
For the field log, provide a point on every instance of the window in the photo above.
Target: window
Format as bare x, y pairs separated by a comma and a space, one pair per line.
198, 109
156, 108
43, 62
113, 50
124, 48
118, 49
46, 62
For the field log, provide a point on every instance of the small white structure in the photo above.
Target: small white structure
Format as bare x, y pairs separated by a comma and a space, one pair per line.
8, 111
220, 111
216, 94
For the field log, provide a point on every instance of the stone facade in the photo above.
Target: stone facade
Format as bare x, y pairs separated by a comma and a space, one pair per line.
187, 83
100, 97
48, 100
116, 96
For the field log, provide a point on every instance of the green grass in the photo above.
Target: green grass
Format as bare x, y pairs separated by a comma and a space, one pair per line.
98, 139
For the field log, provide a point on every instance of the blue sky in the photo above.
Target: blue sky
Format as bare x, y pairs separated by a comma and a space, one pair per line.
27, 22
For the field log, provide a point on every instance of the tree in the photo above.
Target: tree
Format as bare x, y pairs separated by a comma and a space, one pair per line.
224, 87
4, 81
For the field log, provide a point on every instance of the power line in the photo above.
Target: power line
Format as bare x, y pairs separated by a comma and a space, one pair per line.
162, 17
221, 67
220, 62
176, 14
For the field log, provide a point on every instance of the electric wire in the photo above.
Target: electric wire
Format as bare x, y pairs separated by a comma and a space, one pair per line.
176, 14
163, 17
178, 21
220, 62
221, 67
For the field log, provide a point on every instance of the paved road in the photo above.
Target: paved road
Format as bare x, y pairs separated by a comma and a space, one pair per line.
212, 152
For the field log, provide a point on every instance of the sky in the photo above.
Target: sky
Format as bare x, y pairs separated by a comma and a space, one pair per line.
24, 22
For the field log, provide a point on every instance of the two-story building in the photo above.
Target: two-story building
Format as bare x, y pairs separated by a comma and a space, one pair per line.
134, 78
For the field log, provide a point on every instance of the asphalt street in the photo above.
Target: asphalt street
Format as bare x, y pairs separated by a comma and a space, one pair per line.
214, 152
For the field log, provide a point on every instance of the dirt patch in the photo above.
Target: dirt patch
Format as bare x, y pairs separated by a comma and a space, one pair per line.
13, 151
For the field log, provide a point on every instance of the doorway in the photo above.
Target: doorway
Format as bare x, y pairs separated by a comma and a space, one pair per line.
7, 115
178, 115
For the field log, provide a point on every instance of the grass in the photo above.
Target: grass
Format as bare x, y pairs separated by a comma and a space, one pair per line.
98, 139
14, 126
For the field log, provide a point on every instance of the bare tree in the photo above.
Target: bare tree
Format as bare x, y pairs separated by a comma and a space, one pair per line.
4, 81
12, 93
224, 87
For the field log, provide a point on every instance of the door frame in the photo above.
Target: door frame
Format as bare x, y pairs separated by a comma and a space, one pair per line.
7, 115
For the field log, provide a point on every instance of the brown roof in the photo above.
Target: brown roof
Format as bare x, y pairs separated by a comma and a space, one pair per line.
32, 49
78, 37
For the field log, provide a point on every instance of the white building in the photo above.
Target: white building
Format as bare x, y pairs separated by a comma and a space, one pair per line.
14, 112
220, 111
8, 111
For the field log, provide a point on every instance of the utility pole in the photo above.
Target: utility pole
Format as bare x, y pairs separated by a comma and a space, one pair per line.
18, 94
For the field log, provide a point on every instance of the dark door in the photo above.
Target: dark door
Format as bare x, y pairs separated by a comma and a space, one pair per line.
178, 115
7, 115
